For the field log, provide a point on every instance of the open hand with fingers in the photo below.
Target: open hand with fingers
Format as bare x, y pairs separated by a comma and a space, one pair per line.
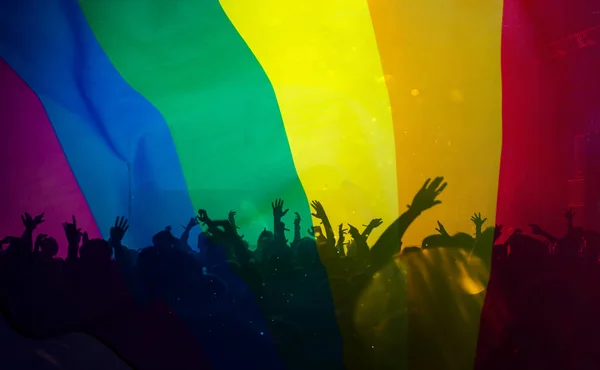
31, 223
477, 220
426, 197
117, 232
72, 232
278, 211
319, 210
203, 216
191, 224
442, 230
297, 219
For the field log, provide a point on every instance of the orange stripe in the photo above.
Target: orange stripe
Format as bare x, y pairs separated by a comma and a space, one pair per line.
442, 63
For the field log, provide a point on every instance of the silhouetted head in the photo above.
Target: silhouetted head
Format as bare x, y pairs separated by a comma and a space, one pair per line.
411, 249
206, 239
434, 241
264, 239
306, 252
164, 239
95, 251
49, 247
462, 240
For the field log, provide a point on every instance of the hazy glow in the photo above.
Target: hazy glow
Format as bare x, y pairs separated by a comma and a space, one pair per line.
446, 99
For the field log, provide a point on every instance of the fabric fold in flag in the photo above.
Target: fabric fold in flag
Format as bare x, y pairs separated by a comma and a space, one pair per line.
116, 143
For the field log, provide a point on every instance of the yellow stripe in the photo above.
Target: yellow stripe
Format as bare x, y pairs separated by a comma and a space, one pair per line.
322, 59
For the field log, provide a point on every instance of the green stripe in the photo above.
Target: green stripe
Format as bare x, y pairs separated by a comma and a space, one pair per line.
188, 60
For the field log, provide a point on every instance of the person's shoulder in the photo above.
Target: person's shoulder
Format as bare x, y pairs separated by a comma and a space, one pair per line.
147, 252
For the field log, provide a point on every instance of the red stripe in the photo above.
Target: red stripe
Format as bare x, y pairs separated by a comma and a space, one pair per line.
36, 175
546, 103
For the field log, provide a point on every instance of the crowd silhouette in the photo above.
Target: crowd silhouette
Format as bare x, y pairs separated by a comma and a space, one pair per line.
329, 298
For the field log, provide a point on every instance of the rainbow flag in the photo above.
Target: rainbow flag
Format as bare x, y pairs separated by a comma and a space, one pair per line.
153, 109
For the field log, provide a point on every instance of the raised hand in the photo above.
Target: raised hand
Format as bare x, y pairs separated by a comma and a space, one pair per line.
117, 232
375, 223
85, 237
354, 233
203, 216
319, 210
426, 196
297, 219
72, 233
442, 230
341, 233
40, 238
31, 223
278, 211
190, 225
38, 241
231, 219
341, 239
311, 231
477, 220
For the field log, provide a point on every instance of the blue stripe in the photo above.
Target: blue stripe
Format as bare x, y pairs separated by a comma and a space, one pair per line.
117, 144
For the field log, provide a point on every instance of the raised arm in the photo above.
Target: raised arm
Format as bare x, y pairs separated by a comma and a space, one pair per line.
390, 241
536, 230
297, 234
341, 239
363, 254
278, 225
478, 222
73, 235
375, 223
185, 235
321, 215
117, 232
233, 223
208, 222
30, 223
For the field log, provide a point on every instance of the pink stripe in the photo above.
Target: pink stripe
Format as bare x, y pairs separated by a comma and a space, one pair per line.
36, 175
